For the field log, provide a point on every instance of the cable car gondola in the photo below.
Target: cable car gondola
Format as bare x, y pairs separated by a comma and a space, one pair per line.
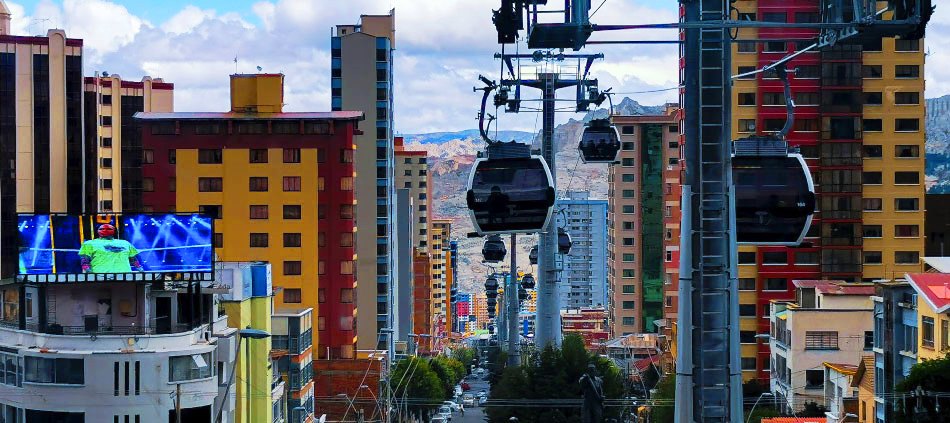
510, 191
491, 284
522, 294
774, 192
600, 142
563, 241
533, 255
494, 249
527, 281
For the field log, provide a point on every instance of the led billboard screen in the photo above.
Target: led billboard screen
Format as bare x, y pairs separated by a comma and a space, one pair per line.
53, 244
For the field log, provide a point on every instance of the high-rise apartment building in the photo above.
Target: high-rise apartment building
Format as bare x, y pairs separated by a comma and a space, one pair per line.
441, 254
637, 248
41, 132
116, 137
281, 185
292, 345
859, 123
361, 78
421, 295
582, 281
412, 172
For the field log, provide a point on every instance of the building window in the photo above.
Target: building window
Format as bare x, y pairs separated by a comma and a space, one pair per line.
872, 72
251, 128
258, 211
291, 267
316, 128
807, 99
873, 231
746, 257
906, 231
346, 183
629, 273
292, 239
291, 183
629, 289
628, 209
872, 125
346, 239
164, 128
744, 70
775, 47
746, 336
148, 184
873, 98
257, 184
213, 210
746, 284
346, 295
257, 155
907, 98
628, 258
627, 162
218, 240
62, 371
873, 257
944, 336
190, 367
814, 378
746, 125
906, 204
285, 127
747, 310
927, 331
107, 142
172, 156
208, 128
872, 204
774, 257
259, 240
346, 267
806, 258
292, 295
210, 184
775, 284
747, 99
907, 151
209, 156
629, 321
906, 125
906, 178
748, 363
629, 305
873, 178
106, 163
292, 211
906, 71
821, 340
745, 47
907, 45
291, 155
107, 121
906, 257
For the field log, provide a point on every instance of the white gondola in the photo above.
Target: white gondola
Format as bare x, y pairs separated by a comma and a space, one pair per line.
600, 142
494, 249
774, 193
510, 191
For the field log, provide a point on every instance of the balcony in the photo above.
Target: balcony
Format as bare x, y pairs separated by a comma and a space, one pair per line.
293, 344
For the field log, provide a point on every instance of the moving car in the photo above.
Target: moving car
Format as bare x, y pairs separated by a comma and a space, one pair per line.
454, 406
468, 400
438, 419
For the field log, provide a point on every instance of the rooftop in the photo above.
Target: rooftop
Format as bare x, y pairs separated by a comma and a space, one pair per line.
939, 264
827, 287
934, 287
341, 115
848, 369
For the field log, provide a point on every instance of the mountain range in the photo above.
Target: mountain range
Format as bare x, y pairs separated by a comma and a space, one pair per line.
452, 154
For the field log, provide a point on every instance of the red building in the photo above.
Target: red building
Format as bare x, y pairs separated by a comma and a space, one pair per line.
421, 299
589, 323
281, 185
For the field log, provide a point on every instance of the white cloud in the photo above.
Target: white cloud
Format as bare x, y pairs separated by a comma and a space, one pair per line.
187, 20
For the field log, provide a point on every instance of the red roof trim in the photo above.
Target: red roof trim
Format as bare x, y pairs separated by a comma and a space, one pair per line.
40, 41
934, 287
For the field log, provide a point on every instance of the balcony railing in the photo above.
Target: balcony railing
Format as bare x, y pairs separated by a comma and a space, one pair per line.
57, 329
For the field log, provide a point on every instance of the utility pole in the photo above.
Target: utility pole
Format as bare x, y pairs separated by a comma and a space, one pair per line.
511, 300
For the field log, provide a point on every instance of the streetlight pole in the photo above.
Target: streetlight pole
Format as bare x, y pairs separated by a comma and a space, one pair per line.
511, 298
241, 334
764, 394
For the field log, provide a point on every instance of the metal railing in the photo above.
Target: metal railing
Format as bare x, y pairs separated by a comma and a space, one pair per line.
57, 329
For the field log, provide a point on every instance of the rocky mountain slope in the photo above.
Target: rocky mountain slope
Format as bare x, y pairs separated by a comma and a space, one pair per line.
938, 144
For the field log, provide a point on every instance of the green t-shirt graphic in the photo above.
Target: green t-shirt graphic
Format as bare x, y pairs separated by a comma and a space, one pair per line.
108, 255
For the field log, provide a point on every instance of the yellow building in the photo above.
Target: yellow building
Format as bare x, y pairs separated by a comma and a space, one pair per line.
112, 102
281, 188
440, 233
933, 314
255, 396
859, 125
864, 380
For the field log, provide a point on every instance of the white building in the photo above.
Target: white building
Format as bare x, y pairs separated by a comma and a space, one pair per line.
582, 281
829, 322
112, 352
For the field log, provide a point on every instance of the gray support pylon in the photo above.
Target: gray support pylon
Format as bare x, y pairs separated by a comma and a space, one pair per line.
709, 379
547, 319
514, 337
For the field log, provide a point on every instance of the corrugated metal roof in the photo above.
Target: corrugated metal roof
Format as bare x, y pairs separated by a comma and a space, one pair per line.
848, 369
941, 264
827, 287
341, 115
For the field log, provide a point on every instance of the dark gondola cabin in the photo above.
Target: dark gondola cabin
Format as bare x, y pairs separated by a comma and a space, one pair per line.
510, 191
527, 281
494, 249
491, 284
600, 142
533, 255
563, 242
774, 193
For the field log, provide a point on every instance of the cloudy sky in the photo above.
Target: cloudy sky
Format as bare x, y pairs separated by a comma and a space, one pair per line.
442, 46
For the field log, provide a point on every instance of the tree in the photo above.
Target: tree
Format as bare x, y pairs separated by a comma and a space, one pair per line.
664, 411
812, 409
412, 379
928, 376
466, 356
